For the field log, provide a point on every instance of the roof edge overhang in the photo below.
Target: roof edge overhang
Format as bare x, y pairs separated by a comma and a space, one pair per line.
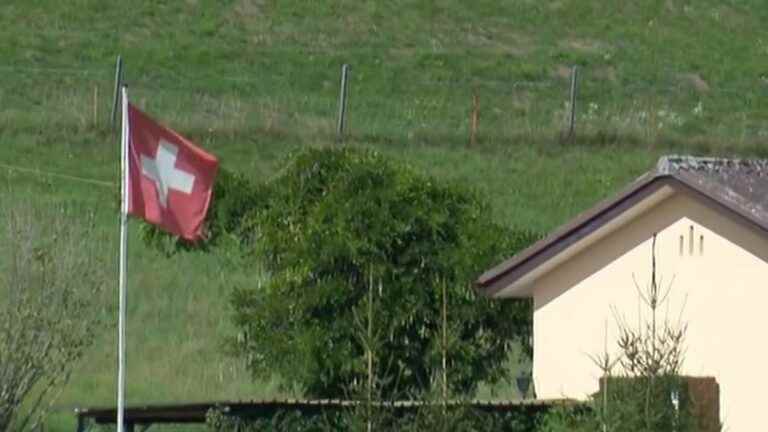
513, 270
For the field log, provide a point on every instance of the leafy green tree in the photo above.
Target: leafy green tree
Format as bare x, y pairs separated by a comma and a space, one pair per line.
334, 220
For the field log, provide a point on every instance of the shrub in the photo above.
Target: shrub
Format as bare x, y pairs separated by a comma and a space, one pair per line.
281, 421
427, 418
570, 419
51, 281
233, 197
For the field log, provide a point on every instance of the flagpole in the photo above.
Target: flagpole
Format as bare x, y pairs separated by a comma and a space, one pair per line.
123, 248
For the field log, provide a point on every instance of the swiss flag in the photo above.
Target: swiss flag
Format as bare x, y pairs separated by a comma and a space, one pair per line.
170, 179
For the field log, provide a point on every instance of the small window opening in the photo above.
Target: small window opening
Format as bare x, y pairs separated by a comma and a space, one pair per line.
682, 245
701, 245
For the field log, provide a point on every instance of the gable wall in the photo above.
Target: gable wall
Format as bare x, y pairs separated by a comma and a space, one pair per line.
720, 293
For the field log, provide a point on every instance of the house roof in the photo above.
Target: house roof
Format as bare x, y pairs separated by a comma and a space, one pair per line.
738, 185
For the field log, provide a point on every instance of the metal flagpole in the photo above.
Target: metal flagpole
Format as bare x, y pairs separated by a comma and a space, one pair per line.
123, 248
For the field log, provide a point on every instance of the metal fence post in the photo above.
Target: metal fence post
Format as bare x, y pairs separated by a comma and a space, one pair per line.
342, 103
118, 85
574, 88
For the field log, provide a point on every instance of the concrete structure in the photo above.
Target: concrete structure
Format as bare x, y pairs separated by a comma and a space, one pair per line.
710, 217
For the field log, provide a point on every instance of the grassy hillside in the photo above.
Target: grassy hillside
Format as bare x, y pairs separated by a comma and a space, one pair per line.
252, 80
662, 71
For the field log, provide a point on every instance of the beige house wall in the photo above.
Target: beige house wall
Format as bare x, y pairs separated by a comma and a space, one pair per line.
718, 289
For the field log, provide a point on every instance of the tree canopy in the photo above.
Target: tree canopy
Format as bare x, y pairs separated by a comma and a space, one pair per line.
333, 221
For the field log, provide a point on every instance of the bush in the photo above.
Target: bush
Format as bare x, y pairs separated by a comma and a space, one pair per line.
465, 419
337, 219
51, 282
570, 419
281, 421
427, 418
644, 404
623, 407
234, 196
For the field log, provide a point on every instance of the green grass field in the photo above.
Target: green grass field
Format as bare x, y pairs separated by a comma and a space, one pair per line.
252, 80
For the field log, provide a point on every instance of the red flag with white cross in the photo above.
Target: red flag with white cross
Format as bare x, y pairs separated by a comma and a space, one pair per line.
170, 179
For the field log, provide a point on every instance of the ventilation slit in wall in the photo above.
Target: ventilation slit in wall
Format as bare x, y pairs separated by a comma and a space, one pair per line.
701, 244
682, 245
690, 240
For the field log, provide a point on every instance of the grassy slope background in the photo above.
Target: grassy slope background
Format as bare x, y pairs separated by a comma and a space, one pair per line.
252, 80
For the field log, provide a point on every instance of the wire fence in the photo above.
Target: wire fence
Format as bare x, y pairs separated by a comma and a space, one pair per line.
382, 106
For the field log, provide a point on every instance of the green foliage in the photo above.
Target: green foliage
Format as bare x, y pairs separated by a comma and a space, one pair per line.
628, 407
623, 407
233, 197
465, 418
334, 221
567, 419
281, 421
426, 418
268, 81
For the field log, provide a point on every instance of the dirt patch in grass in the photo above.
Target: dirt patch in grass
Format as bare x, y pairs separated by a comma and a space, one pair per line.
247, 10
696, 81
607, 73
587, 46
514, 45
561, 72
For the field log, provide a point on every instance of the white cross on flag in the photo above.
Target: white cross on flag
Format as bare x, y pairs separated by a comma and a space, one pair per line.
170, 179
